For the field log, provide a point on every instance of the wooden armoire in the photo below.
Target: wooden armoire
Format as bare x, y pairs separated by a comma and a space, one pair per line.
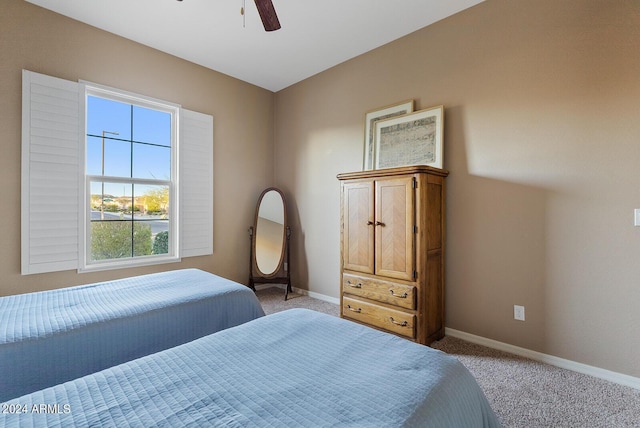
392, 238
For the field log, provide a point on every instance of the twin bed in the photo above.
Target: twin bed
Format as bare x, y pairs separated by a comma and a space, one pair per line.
54, 336
292, 368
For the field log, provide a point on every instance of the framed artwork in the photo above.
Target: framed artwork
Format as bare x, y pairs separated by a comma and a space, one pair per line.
411, 139
369, 127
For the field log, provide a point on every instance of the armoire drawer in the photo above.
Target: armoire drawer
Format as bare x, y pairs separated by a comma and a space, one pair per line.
389, 292
392, 320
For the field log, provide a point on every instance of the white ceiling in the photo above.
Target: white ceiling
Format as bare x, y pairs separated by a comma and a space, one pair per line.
315, 35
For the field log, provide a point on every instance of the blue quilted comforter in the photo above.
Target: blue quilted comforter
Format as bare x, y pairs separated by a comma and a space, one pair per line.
296, 368
50, 337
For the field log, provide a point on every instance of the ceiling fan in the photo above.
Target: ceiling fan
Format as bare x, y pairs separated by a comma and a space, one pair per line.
267, 13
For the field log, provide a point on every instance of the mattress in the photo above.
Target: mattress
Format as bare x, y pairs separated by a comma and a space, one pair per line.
293, 368
49, 337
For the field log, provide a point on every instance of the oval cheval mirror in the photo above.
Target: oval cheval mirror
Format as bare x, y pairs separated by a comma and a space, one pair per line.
269, 235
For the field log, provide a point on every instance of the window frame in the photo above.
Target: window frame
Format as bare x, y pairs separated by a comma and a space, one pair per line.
53, 141
85, 264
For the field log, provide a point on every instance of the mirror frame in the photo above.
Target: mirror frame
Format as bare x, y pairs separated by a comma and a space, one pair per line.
281, 275
280, 264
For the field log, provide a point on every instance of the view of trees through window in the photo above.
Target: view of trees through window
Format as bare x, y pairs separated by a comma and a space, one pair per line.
129, 174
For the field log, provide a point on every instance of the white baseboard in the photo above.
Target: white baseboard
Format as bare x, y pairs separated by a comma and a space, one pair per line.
608, 375
318, 296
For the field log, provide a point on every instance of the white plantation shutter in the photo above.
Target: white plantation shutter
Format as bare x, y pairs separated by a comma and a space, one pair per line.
196, 183
50, 173
53, 176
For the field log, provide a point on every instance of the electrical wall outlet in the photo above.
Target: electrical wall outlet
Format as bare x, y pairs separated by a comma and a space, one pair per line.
636, 217
518, 312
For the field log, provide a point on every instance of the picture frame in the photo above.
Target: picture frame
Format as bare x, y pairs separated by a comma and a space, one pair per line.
412, 139
371, 118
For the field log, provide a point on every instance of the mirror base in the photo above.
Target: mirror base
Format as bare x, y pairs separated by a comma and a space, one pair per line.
258, 280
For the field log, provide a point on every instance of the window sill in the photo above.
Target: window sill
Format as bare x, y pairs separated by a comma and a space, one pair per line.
129, 263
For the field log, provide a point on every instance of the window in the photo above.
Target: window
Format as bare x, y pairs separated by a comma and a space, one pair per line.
148, 199
129, 181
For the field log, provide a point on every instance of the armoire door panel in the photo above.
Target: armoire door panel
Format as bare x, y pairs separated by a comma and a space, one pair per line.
394, 226
358, 227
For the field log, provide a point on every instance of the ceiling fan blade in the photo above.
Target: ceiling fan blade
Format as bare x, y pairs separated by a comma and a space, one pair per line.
268, 15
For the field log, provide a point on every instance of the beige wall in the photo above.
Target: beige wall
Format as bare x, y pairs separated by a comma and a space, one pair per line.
541, 138
48, 43
540, 129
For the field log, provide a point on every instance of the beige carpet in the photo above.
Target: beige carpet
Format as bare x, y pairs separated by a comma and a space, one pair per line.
522, 392
272, 300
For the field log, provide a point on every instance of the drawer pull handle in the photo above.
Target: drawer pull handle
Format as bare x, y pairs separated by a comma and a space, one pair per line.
401, 324
354, 309
379, 223
351, 284
369, 223
402, 296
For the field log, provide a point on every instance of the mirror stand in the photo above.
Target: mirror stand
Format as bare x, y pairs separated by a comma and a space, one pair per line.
286, 279
270, 236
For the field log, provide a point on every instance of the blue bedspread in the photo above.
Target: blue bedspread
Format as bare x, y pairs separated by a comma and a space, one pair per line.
296, 368
50, 337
